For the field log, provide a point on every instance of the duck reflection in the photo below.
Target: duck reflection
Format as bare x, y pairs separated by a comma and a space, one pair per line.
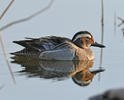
85, 77
57, 70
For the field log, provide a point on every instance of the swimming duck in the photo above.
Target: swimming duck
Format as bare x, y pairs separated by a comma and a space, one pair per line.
60, 48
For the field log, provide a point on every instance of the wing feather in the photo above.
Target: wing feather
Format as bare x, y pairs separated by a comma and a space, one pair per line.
41, 44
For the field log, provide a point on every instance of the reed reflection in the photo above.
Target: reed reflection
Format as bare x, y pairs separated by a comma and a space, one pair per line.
102, 33
102, 37
79, 71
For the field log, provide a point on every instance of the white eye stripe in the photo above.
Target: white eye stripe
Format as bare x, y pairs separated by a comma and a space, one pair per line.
82, 35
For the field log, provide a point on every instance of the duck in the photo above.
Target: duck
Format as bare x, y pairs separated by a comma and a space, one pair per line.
59, 48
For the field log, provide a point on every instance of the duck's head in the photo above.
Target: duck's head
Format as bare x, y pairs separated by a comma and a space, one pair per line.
85, 77
84, 39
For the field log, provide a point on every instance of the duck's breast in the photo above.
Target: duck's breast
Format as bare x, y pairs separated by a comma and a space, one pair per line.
85, 54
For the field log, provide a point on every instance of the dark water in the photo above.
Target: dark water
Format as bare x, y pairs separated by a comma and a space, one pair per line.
63, 19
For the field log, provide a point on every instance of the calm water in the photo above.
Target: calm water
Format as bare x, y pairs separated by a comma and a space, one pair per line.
64, 18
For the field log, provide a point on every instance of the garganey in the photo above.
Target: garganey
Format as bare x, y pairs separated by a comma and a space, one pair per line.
60, 48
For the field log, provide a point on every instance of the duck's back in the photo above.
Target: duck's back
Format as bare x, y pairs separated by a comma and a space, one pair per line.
34, 46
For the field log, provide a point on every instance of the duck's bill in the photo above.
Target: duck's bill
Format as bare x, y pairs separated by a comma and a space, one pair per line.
98, 45
97, 71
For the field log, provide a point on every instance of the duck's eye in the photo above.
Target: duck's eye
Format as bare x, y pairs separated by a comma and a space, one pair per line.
87, 37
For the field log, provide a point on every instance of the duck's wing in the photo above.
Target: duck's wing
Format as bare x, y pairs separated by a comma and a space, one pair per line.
42, 44
63, 51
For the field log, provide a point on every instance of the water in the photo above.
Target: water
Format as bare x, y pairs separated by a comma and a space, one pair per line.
64, 18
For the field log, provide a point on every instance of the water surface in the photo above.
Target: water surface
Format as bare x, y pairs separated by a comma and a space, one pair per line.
64, 18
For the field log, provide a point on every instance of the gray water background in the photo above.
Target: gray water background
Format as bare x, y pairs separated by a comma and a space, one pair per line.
64, 18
